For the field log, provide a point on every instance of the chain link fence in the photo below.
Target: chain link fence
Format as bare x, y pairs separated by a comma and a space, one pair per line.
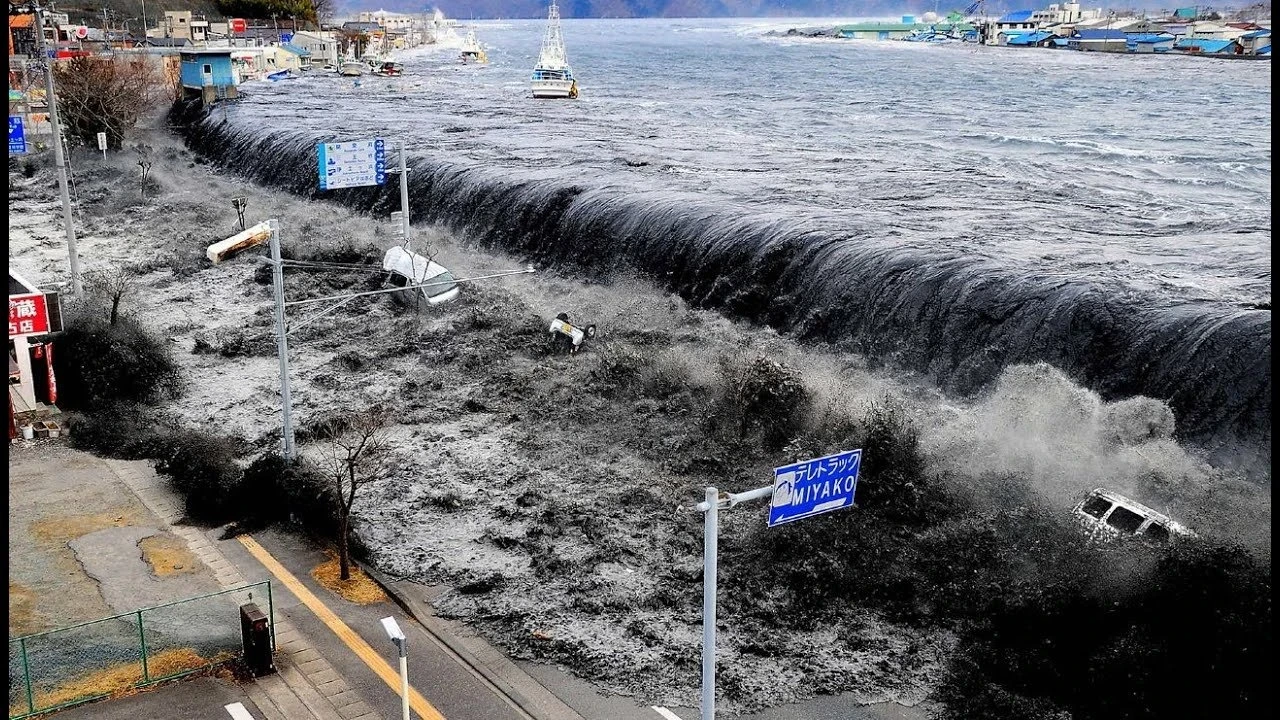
92, 660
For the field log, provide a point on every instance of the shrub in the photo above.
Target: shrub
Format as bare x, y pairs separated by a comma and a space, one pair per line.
274, 490
124, 431
202, 467
99, 364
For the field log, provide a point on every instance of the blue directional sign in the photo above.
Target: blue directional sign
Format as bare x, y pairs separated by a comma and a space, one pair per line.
813, 487
17, 136
352, 164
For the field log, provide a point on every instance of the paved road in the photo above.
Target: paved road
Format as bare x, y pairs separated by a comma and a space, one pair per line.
200, 699
453, 689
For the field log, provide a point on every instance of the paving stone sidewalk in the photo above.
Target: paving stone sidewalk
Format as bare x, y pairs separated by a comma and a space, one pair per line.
307, 685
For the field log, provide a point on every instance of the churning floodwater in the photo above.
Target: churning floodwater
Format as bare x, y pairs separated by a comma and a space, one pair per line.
949, 209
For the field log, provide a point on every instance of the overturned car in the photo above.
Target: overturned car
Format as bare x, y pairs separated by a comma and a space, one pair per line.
1109, 515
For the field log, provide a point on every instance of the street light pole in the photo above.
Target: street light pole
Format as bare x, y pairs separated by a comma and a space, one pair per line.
73, 255
397, 636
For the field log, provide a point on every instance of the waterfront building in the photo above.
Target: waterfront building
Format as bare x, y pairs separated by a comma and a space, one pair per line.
208, 73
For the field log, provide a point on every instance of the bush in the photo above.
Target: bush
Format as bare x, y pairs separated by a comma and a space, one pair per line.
764, 400
274, 490
99, 364
124, 431
202, 468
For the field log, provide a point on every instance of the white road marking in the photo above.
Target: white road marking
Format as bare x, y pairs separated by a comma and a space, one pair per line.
238, 712
665, 713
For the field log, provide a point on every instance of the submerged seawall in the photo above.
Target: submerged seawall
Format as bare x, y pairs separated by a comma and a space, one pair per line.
959, 319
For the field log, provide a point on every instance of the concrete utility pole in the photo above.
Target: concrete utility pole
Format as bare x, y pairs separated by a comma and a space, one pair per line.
73, 255
282, 342
404, 192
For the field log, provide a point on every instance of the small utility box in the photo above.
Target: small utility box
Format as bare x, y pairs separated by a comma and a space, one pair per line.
255, 631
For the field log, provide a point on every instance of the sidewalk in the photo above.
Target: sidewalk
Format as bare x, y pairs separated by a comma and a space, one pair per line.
306, 685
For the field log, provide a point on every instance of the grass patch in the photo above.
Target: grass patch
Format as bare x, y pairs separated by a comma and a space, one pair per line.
61, 530
167, 555
360, 589
121, 679
23, 617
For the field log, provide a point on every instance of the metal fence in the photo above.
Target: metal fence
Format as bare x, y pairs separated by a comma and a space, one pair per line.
80, 663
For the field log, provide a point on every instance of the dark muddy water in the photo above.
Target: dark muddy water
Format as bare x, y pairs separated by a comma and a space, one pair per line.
951, 209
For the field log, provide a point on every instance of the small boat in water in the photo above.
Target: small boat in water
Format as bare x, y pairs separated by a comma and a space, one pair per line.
552, 76
282, 75
389, 68
472, 51
351, 68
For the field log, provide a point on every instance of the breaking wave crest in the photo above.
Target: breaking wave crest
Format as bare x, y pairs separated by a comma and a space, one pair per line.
957, 318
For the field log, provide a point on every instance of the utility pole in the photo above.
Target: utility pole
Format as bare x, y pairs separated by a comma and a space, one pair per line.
59, 159
282, 342
404, 193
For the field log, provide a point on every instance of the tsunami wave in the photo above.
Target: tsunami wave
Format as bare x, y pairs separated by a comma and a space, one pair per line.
957, 318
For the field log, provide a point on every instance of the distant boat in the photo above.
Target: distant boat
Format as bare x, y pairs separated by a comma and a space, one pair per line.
282, 75
472, 51
389, 68
552, 76
352, 67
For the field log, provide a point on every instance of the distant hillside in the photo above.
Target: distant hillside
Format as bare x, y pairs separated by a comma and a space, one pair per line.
483, 9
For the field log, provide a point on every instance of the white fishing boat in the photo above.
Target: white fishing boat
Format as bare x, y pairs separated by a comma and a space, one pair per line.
351, 67
552, 76
472, 50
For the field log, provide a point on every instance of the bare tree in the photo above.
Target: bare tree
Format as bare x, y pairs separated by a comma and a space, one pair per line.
112, 285
323, 10
103, 93
358, 454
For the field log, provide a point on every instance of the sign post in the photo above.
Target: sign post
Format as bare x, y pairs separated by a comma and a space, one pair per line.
102, 144
17, 136
800, 490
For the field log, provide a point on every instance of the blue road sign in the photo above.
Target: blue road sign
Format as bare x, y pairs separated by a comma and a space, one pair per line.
813, 487
351, 164
17, 136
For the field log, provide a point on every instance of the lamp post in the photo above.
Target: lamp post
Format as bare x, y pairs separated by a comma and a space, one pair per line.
396, 635
59, 159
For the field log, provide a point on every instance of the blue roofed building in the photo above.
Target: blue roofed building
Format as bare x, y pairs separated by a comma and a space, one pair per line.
1095, 40
1255, 42
1038, 38
1151, 43
1208, 46
1023, 20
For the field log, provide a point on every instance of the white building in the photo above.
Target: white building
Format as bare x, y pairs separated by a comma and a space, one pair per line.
323, 46
388, 20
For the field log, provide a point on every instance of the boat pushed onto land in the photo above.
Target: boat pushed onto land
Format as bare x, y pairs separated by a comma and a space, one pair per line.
552, 76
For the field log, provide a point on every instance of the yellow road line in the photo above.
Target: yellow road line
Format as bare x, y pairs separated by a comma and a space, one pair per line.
348, 636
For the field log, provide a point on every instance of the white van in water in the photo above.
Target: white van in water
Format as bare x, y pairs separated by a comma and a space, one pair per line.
409, 268
1111, 515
